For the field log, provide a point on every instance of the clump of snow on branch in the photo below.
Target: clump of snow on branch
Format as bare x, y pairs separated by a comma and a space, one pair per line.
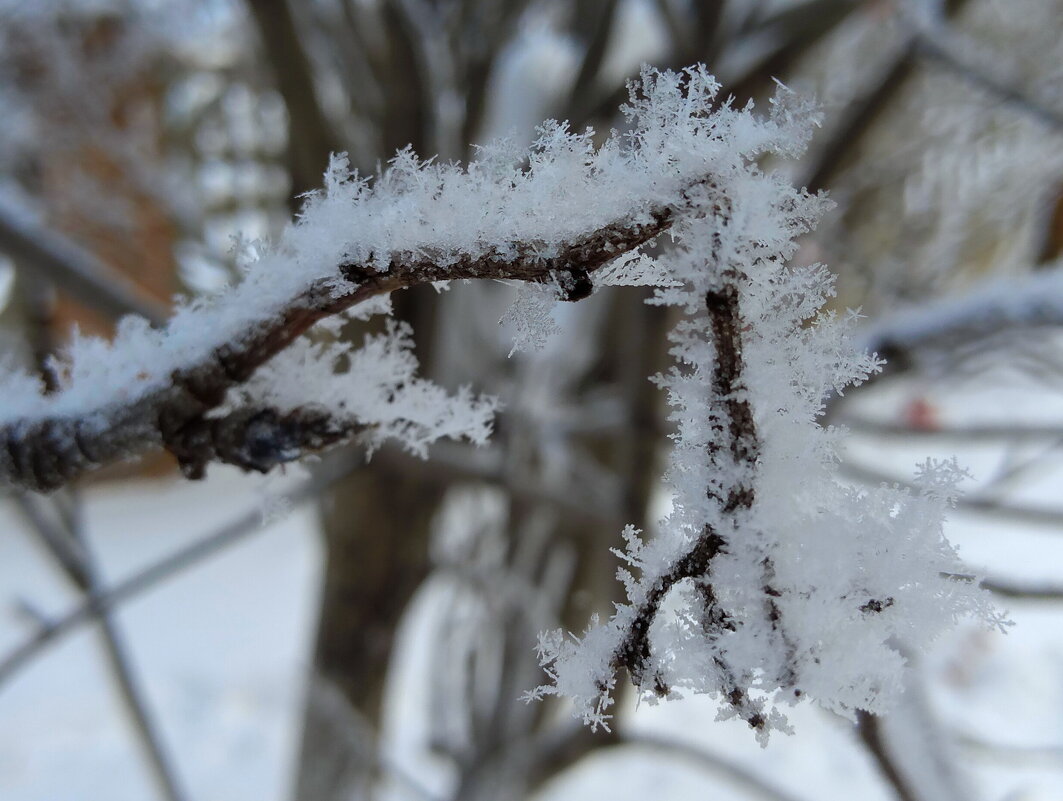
503, 205
810, 584
374, 387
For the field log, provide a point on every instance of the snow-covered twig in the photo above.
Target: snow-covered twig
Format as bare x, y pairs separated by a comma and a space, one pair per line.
44, 451
758, 618
740, 439
1028, 301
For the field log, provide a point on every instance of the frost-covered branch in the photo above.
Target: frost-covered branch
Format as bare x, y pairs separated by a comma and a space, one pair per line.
572, 211
781, 582
739, 435
992, 307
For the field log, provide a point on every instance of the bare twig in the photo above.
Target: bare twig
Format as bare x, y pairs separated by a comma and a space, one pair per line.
870, 730
940, 52
353, 730
556, 751
452, 462
71, 267
706, 760
105, 599
974, 432
1023, 592
76, 560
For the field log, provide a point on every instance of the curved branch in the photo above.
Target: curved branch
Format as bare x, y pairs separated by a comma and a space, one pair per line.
556, 752
869, 728
43, 454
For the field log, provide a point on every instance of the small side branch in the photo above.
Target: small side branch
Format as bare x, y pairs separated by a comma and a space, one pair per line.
256, 439
870, 730
736, 432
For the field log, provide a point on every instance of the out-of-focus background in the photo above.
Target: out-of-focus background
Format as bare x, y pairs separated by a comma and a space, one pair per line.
365, 631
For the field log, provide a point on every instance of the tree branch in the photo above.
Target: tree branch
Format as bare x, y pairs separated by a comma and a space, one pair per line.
43, 454
1023, 591
870, 730
71, 551
102, 600
736, 424
940, 51
75, 269
555, 752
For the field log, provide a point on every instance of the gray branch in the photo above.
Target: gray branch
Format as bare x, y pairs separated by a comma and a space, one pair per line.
104, 600
71, 551
71, 267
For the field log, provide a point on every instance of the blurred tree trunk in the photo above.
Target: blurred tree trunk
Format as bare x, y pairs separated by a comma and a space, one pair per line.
376, 528
377, 522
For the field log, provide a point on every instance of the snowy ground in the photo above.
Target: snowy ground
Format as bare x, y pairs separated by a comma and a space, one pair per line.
223, 647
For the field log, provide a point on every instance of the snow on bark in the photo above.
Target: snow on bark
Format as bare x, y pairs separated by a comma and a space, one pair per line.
781, 582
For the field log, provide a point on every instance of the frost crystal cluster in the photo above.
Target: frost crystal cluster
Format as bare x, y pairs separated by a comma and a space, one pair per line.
770, 579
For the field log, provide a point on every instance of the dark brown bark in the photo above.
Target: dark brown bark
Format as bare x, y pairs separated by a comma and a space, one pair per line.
376, 526
310, 134
739, 434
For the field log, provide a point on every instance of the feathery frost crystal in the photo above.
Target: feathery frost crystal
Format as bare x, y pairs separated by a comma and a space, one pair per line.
779, 581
